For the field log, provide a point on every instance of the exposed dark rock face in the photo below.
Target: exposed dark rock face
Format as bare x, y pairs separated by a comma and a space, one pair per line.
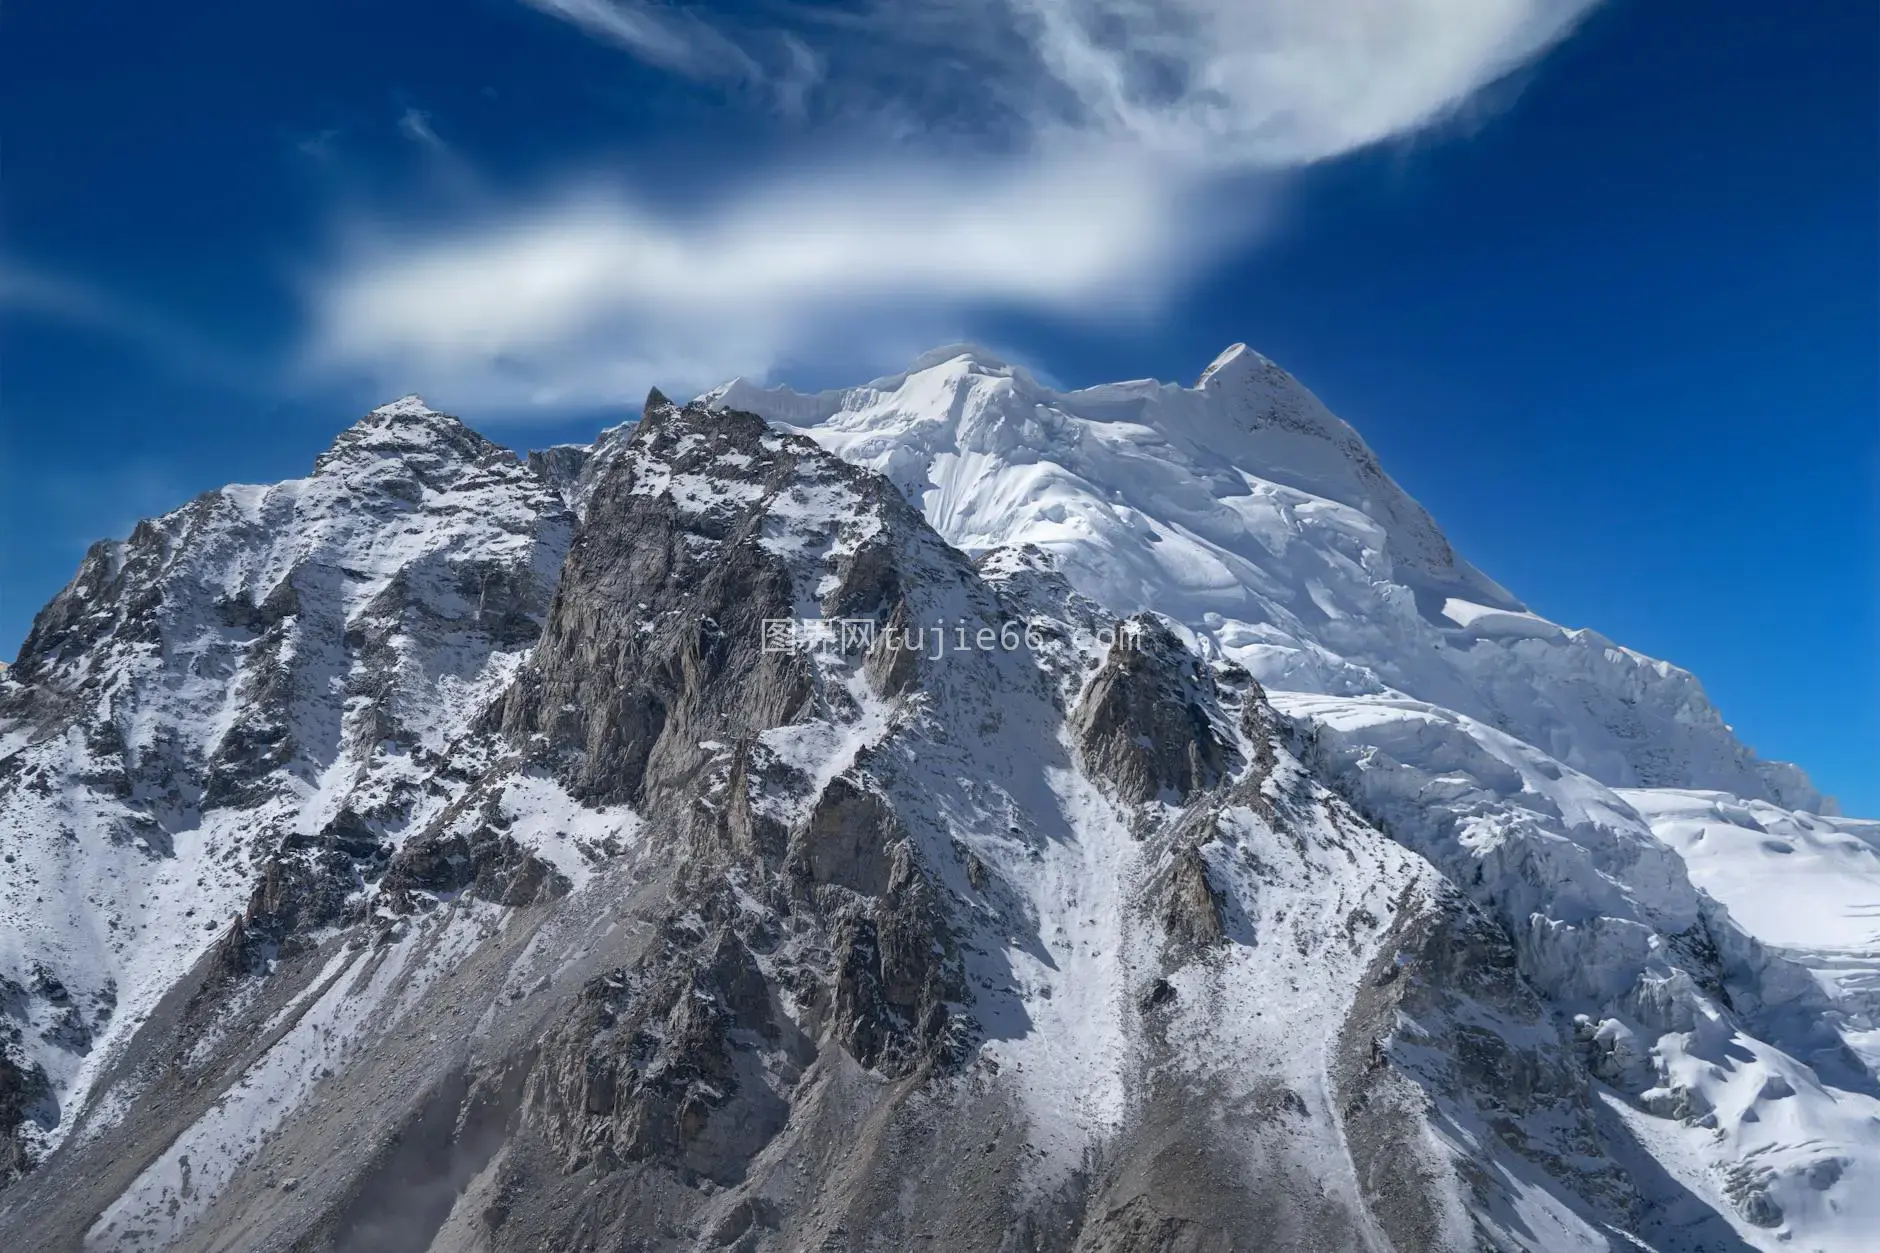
654, 640
868, 582
1191, 910
664, 1063
1484, 1047
895, 975
486, 863
310, 883
114, 595
655, 653
562, 468
1143, 726
748, 826
893, 669
850, 840
298, 893
25, 1096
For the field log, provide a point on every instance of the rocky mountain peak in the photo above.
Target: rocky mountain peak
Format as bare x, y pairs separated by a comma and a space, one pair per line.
409, 434
1236, 360
409, 405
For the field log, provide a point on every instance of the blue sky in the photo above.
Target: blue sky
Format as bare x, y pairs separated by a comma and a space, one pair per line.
1600, 282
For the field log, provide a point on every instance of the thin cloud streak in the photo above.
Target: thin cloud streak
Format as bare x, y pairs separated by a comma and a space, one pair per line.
30, 293
415, 125
1233, 83
670, 39
1278, 83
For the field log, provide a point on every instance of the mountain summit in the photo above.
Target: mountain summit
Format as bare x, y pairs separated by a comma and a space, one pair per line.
943, 812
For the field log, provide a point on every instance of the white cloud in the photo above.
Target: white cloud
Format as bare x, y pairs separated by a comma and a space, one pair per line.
1218, 81
1281, 82
1119, 122
544, 306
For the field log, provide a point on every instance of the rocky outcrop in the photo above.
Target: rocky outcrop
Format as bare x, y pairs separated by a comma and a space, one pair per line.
1191, 909
654, 685
655, 638
896, 972
892, 668
25, 1096
180, 705
562, 468
485, 863
850, 839
1142, 727
1443, 1018
298, 893
667, 1064
310, 883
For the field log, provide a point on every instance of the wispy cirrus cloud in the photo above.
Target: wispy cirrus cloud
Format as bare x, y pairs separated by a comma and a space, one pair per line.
1278, 82
1221, 82
1059, 155
772, 63
53, 298
661, 35
415, 125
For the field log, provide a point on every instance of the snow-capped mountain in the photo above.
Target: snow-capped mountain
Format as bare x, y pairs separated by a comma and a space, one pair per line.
1185, 848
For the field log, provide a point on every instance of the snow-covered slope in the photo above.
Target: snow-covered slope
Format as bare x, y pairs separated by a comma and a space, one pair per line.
1248, 512
1761, 1079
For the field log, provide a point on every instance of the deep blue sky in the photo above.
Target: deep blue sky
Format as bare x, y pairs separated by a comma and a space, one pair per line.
1618, 326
